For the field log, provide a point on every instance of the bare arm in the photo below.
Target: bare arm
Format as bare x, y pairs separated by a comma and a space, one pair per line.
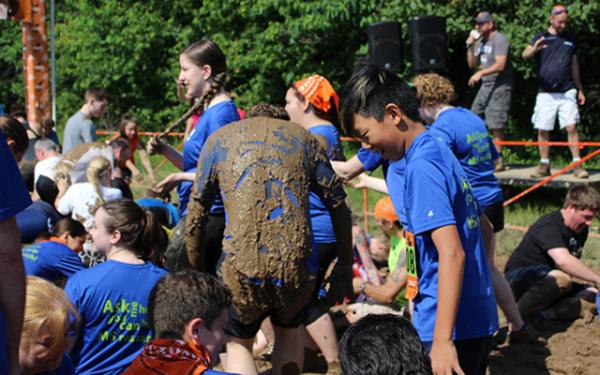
573, 266
174, 156
12, 289
393, 283
577, 80
201, 199
146, 163
349, 169
471, 58
360, 241
446, 239
487, 231
534, 48
369, 182
496, 67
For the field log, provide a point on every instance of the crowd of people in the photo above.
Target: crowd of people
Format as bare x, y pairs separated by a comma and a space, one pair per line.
260, 255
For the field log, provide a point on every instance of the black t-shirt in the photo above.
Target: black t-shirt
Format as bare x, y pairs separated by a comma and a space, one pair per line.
555, 62
549, 232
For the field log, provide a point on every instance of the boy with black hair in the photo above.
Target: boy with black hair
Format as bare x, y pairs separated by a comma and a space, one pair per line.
447, 273
382, 345
187, 313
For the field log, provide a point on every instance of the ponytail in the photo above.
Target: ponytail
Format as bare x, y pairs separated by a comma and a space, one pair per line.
140, 231
94, 171
215, 86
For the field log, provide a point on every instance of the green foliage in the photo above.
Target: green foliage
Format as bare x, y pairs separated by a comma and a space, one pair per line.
131, 48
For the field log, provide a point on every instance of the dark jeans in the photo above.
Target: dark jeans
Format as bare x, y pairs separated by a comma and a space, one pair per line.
523, 278
472, 354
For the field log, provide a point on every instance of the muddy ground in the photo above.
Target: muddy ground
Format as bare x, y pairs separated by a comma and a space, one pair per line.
573, 349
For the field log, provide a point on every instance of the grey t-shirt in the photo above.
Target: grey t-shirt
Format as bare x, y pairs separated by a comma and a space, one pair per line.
487, 50
79, 129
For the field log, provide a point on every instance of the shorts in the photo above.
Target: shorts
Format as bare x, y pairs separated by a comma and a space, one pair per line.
523, 278
176, 257
472, 354
495, 214
494, 103
254, 301
547, 104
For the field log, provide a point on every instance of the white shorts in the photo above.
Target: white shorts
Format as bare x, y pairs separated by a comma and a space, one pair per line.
547, 104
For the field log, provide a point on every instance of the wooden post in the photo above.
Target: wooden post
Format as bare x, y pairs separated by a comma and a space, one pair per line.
35, 63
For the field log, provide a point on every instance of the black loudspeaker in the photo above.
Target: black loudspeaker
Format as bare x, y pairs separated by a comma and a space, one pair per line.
428, 43
385, 45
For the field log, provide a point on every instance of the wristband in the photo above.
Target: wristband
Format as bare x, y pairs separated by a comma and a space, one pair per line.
363, 286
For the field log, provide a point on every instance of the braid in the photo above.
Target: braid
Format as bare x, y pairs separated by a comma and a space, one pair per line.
215, 87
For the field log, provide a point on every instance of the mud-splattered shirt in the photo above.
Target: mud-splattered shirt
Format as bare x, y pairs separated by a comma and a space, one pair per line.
264, 169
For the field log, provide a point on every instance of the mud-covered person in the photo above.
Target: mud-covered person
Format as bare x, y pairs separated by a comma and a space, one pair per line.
265, 169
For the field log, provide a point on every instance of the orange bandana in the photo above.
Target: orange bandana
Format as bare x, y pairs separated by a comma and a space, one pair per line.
318, 91
385, 210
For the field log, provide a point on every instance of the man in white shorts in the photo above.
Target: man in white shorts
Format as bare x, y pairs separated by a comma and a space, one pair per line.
560, 89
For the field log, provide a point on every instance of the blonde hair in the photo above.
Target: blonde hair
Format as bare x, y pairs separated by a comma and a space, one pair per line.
94, 171
46, 306
433, 89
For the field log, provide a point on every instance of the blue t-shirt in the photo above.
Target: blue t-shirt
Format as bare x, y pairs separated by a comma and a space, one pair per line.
211, 120
155, 202
14, 198
371, 160
65, 368
435, 192
555, 62
112, 300
320, 219
35, 220
51, 260
466, 135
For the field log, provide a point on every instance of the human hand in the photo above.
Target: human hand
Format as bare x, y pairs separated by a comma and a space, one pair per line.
473, 36
62, 181
444, 359
168, 184
580, 97
359, 182
357, 282
540, 44
475, 78
155, 145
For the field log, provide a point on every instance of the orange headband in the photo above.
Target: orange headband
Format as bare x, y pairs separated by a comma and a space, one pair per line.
318, 91
384, 209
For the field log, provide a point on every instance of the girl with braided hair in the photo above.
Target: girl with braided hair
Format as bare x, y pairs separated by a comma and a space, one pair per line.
203, 69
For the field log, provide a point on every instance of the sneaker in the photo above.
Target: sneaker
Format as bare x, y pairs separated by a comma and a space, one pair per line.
542, 171
579, 172
526, 335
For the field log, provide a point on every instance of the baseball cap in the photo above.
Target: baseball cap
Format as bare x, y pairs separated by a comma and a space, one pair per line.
483, 17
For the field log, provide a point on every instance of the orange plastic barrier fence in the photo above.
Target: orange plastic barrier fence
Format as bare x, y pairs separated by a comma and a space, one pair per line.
500, 143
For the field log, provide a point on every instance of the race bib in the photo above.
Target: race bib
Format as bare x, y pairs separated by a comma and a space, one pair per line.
412, 279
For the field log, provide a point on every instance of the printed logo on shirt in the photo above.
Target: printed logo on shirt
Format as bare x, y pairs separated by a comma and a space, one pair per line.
574, 247
127, 322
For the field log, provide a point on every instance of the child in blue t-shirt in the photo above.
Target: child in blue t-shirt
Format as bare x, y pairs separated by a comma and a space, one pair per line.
313, 103
55, 258
447, 273
202, 73
112, 298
